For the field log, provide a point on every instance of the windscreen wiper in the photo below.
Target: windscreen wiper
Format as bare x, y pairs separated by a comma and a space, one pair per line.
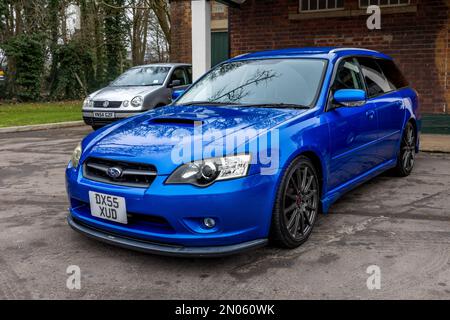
208, 103
278, 105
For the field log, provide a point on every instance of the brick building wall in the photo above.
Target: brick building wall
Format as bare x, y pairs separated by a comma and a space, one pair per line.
417, 36
181, 46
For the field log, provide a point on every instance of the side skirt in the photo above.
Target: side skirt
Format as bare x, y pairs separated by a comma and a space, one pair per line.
339, 191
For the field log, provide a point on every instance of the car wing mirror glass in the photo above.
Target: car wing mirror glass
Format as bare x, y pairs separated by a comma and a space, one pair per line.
349, 98
175, 83
176, 94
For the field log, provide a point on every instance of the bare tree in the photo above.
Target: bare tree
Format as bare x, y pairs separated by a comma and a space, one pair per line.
157, 46
140, 16
162, 11
150, 21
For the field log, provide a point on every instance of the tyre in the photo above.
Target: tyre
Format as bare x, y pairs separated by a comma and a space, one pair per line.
297, 204
407, 153
95, 128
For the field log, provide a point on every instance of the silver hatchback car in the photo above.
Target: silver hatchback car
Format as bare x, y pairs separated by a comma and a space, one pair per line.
137, 90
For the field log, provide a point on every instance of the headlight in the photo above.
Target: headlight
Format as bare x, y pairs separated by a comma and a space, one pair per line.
205, 172
88, 103
76, 155
137, 102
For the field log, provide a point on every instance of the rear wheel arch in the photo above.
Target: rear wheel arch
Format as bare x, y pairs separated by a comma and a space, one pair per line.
413, 121
407, 150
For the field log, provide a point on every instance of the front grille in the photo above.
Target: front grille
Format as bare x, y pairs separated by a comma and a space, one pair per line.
132, 174
97, 121
112, 104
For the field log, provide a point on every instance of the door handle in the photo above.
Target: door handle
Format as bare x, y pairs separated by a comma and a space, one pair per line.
370, 114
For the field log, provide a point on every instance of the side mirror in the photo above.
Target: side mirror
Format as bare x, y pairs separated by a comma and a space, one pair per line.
175, 83
176, 94
350, 97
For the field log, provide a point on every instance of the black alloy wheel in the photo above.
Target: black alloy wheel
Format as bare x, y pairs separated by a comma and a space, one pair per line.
297, 204
407, 154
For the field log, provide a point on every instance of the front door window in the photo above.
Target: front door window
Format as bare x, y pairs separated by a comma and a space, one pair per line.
180, 76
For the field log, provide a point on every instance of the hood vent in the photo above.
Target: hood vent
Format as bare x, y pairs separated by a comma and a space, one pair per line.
175, 120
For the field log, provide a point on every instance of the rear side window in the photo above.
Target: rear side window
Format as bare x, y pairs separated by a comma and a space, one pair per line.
376, 82
393, 74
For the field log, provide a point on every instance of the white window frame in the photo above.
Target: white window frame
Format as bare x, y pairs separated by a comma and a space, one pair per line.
218, 8
392, 3
318, 10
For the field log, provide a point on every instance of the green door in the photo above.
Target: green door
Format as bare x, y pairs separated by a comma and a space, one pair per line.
220, 47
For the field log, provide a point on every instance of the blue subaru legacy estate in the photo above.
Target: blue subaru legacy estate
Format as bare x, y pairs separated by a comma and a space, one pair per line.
252, 152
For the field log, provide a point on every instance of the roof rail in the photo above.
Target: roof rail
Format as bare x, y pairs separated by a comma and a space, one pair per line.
343, 49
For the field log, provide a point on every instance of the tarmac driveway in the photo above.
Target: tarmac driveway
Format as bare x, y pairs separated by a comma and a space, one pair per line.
400, 225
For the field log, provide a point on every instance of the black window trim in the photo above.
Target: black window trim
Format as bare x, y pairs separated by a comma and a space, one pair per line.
334, 75
186, 69
333, 78
375, 59
384, 59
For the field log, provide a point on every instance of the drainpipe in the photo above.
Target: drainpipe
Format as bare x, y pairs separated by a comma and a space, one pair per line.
201, 37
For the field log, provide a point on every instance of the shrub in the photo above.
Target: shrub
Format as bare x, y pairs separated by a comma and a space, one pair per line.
26, 57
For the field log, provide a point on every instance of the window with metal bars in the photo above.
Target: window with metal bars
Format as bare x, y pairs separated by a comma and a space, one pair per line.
383, 3
321, 5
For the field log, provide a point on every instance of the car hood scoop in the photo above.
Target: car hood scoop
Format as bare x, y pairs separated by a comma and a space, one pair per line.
181, 119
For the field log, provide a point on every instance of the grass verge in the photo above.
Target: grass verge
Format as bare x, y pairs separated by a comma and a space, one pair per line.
23, 114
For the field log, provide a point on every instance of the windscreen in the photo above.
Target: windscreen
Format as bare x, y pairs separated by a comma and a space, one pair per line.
144, 76
251, 82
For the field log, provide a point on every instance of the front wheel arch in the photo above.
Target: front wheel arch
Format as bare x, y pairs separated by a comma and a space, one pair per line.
277, 234
319, 165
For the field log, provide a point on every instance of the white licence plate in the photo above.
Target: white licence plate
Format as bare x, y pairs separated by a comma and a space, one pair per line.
108, 207
104, 115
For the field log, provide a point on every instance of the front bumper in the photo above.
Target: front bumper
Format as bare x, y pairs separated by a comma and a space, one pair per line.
167, 219
90, 120
162, 249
